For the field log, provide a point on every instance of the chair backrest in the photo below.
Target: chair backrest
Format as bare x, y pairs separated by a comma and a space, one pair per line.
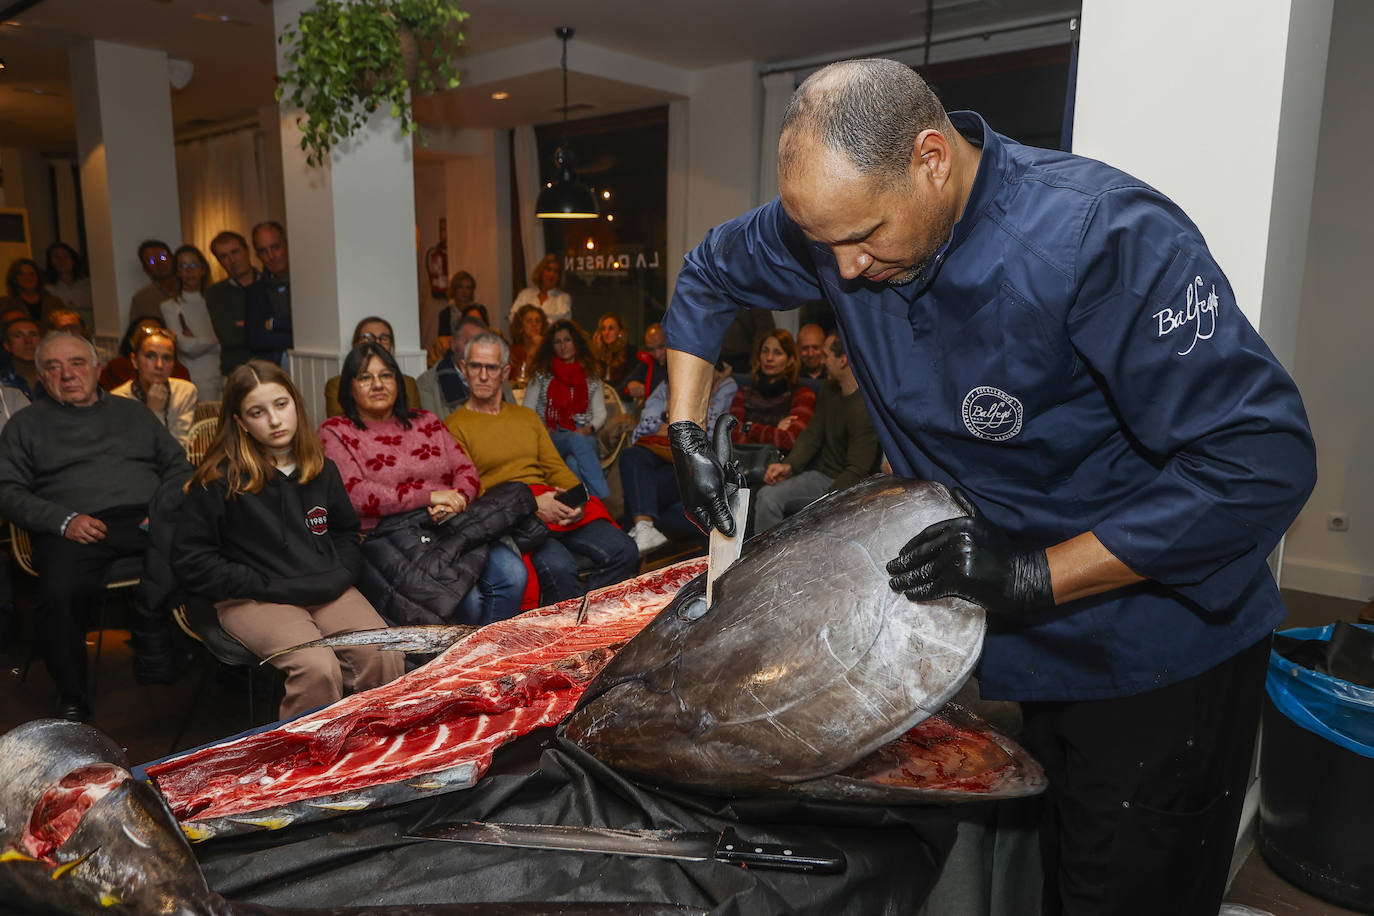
613, 405
23, 548
199, 438
205, 410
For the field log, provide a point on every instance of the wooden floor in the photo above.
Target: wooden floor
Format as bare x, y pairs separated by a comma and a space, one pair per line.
144, 719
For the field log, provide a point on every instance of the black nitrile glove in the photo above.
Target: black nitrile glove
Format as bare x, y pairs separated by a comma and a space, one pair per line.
970, 557
706, 476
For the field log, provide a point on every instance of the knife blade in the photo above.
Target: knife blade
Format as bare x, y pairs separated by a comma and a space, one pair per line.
724, 550
691, 846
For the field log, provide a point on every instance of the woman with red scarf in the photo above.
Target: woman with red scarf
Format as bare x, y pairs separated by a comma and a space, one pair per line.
566, 393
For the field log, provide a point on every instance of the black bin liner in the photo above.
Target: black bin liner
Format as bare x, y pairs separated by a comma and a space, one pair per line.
1317, 769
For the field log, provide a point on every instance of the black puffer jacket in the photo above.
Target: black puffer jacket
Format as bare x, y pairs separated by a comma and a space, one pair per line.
416, 573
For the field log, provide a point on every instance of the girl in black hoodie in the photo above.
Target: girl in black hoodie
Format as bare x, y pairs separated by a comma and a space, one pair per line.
267, 533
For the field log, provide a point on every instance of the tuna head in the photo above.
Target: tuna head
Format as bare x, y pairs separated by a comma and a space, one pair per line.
806, 663
79, 835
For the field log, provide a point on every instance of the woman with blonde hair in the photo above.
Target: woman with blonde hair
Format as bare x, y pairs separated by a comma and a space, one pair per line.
544, 292
267, 534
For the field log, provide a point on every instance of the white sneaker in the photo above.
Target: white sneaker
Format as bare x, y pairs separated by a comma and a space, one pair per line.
646, 537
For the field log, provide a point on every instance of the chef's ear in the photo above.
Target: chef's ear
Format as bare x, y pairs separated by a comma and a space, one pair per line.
932, 156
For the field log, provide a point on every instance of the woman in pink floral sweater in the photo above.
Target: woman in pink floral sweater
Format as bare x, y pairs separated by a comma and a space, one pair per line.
396, 459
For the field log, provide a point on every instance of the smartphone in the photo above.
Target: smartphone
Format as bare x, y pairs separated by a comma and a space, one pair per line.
575, 497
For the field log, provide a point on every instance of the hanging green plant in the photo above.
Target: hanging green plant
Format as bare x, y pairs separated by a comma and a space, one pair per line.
348, 59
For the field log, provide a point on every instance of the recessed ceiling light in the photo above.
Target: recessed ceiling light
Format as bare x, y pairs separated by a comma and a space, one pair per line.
14, 23
610, 217
605, 195
500, 96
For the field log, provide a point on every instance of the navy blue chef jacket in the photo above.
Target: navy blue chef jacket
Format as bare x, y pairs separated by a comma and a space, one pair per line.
1075, 359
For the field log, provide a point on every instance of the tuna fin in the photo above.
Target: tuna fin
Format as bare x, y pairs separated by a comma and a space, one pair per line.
421, 640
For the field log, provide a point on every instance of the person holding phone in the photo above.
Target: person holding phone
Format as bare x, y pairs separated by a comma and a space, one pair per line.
415, 491
268, 534
508, 442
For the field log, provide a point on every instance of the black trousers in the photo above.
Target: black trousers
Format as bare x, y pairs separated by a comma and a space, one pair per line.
70, 577
1146, 792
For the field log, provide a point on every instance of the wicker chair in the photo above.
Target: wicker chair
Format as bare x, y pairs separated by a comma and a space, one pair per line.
205, 410
199, 438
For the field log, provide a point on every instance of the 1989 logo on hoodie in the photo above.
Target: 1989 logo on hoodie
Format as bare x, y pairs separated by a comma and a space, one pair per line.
318, 520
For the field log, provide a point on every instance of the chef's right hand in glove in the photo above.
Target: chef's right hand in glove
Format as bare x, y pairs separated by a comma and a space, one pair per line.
972, 558
706, 475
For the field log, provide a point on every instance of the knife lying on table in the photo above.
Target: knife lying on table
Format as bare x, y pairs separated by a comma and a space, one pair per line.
692, 846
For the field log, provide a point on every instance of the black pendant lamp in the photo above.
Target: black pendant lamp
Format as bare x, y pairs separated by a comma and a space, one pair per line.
566, 198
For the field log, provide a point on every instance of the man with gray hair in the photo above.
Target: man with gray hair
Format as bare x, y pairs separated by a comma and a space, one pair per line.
1052, 339
77, 470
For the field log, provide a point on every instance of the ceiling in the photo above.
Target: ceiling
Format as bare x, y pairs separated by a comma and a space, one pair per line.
231, 46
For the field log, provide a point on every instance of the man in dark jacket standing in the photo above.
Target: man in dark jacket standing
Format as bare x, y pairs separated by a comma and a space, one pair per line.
77, 470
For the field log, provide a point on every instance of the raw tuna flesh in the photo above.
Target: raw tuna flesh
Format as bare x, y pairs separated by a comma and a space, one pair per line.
501, 682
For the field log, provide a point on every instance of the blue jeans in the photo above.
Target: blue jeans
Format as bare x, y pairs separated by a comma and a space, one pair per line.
579, 452
497, 592
649, 482
613, 555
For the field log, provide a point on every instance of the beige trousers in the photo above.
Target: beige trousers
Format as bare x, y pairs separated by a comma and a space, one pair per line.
314, 677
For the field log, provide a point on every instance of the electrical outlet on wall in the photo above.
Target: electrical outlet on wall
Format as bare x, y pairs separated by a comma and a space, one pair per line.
1338, 521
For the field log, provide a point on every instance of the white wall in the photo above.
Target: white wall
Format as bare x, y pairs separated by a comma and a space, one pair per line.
1333, 364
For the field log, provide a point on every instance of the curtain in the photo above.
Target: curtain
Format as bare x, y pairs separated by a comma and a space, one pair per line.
777, 91
526, 193
223, 185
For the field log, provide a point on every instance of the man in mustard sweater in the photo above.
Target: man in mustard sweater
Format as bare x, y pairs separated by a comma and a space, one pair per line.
509, 442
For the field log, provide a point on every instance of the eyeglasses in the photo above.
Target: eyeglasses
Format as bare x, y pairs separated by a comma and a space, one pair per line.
144, 333
486, 368
369, 337
160, 257
385, 377
189, 265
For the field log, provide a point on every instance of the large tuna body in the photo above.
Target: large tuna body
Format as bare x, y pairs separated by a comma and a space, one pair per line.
806, 663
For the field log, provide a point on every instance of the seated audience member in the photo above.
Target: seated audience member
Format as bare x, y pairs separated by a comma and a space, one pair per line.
172, 400
12, 400
838, 448
267, 534
77, 470
21, 345
741, 339
544, 294
369, 330
811, 351
187, 314
68, 321
443, 322
24, 283
69, 281
565, 393
227, 300
775, 408
267, 305
526, 333
163, 283
507, 442
402, 468
652, 502
652, 368
616, 358
121, 368
442, 387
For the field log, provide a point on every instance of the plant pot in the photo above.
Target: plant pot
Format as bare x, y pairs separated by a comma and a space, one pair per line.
410, 60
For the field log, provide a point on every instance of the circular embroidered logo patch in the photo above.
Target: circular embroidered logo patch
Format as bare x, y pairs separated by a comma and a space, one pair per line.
992, 414
318, 520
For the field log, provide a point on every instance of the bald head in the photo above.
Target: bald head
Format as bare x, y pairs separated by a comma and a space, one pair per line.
869, 111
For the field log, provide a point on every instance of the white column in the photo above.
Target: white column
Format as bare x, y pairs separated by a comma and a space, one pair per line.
124, 143
350, 226
1217, 105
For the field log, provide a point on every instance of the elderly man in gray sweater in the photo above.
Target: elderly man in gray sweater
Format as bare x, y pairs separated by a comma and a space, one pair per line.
77, 470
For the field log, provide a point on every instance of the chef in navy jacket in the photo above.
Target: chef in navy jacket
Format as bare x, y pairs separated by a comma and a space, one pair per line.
1053, 338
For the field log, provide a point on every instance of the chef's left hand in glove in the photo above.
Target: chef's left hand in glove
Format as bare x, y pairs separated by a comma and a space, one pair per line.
970, 557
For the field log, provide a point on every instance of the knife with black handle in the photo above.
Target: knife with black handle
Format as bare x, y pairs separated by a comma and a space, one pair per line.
692, 846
